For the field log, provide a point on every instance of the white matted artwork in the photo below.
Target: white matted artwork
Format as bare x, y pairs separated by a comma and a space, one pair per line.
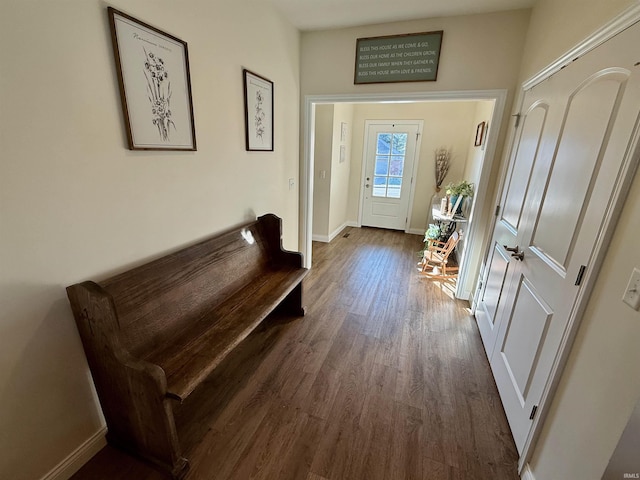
258, 110
155, 86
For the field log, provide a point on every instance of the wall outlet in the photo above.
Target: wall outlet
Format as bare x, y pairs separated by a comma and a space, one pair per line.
632, 293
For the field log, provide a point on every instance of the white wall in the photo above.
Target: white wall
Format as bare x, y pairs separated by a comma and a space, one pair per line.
478, 52
323, 155
340, 171
601, 382
75, 204
557, 26
331, 177
625, 458
472, 171
475, 155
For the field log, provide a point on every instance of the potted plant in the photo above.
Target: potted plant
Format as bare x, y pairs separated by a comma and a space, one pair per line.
460, 189
432, 234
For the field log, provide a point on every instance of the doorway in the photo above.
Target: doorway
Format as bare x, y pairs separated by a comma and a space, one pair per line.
391, 148
475, 236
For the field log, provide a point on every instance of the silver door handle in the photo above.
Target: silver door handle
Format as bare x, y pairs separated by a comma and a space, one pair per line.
518, 256
367, 185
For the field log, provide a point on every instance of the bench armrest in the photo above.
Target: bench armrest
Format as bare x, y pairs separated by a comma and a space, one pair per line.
271, 226
132, 391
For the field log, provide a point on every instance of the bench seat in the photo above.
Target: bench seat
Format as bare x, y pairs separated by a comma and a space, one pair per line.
191, 356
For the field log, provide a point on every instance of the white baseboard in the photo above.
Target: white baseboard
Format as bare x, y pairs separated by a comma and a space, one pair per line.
334, 234
70, 465
527, 474
337, 231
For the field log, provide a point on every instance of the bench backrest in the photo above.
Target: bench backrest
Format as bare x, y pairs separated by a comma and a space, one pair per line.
155, 301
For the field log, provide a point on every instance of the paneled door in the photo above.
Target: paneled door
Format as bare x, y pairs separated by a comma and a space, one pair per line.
574, 138
507, 235
390, 151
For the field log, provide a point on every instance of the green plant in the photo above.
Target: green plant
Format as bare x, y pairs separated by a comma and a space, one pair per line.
432, 233
462, 188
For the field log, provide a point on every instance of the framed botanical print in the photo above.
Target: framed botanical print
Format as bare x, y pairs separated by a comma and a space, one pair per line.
258, 112
155, 85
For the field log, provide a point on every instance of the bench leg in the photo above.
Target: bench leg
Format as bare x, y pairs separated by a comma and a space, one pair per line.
292, 304
142, 424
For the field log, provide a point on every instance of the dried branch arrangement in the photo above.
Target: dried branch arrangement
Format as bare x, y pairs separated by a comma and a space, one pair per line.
443, 161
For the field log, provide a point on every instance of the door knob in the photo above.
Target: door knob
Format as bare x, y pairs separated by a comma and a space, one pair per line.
518, 256
514, 249
367, 185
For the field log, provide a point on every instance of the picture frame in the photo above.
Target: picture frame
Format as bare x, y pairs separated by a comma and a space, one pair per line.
408, 57
485, 135
479, 134
258, 112
155, 85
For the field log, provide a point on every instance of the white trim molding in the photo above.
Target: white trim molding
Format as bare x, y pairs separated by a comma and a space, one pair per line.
624, 20
81, 455
335, 233
527, 474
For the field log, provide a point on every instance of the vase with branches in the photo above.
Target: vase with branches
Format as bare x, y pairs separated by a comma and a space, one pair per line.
442, 164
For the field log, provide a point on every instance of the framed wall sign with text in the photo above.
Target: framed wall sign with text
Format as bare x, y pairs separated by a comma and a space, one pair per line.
412, 57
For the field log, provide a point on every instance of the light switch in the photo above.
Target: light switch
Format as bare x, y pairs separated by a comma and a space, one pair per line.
632, 293
292, 183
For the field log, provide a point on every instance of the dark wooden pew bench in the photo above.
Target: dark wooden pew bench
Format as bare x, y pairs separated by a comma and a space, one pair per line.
154, 333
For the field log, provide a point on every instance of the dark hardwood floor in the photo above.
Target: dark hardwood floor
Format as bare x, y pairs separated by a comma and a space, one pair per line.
385, 378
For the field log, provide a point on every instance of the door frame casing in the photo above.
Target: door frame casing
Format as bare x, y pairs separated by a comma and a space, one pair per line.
630, 164
414, 168
465, 285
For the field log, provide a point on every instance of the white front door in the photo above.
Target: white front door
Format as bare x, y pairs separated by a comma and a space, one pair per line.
576, 130
390, 151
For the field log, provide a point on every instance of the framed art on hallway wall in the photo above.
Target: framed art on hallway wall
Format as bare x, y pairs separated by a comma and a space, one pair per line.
155, 85
258, 112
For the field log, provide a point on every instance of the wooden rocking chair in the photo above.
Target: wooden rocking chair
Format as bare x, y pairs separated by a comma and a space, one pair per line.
436, 258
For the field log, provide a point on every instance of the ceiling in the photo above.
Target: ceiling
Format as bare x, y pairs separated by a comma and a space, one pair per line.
327, 14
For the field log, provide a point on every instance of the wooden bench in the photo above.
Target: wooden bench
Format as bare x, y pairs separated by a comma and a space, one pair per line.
154, 333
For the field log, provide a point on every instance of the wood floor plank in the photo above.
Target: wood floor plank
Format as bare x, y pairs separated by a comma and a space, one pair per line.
385, 378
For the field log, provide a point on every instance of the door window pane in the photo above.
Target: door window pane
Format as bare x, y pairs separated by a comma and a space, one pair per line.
399, 144
389, 168
384, 143
395, 187
397, 166
382, 166
379, 186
